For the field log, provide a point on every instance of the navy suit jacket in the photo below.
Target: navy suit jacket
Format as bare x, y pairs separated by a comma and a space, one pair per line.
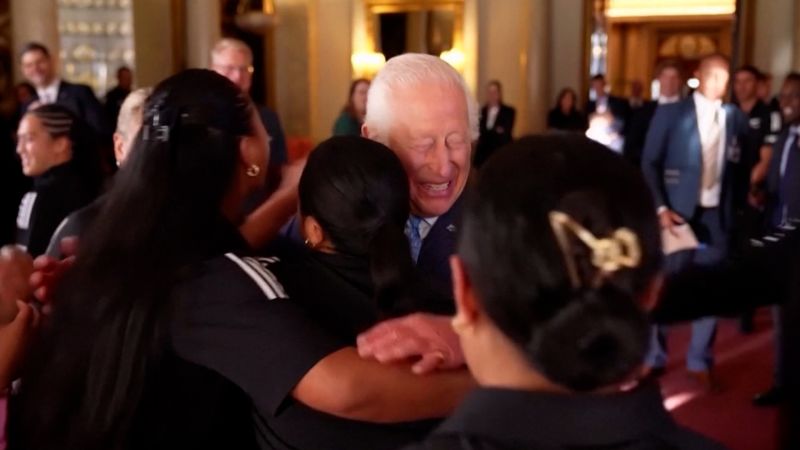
672, 161
80, 99
433, 263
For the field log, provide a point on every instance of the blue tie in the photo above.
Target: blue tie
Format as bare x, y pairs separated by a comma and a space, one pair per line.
414, 238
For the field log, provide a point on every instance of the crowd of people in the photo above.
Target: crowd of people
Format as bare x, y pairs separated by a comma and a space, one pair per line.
397, 289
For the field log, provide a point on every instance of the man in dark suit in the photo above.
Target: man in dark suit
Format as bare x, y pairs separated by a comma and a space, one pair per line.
233, 59
690, 160
430, 122
496, 123
603, 102
39, 70
783, 189
669, 80
117, 95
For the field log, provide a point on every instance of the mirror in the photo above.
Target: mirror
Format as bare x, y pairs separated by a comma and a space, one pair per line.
432, 26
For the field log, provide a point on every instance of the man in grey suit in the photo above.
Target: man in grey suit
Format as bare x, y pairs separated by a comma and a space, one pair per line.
690, 158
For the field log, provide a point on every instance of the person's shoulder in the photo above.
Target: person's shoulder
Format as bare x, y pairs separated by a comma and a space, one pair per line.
234, 275
76, 87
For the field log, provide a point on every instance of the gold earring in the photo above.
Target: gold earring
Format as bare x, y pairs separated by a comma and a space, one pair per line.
253, 170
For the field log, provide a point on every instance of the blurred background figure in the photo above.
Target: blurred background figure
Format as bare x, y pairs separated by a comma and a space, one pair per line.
233, 59
600, 101
565, 116
668, 75
352, 116
40, 71
496, 123
603, 129
117, 94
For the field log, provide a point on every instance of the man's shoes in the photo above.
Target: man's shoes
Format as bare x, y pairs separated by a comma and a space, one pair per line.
772, 397
706, 379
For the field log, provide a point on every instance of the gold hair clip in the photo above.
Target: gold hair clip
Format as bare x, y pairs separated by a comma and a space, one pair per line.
609, 254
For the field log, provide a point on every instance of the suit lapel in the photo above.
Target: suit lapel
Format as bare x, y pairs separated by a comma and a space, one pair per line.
695, 144
443, 233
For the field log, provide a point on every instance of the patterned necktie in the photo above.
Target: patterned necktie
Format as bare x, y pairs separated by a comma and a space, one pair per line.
711, 152
414, 238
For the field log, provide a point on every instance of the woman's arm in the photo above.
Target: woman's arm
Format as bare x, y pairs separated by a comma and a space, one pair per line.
265, 223
344, 384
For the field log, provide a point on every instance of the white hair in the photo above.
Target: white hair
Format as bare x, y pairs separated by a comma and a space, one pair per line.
408, 71
231, 44
130, 113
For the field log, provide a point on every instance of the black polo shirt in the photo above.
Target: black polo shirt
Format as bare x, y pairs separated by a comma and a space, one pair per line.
235, 317
763, 129
502, 419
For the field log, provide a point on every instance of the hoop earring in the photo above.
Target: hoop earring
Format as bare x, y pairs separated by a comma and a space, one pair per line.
253, 170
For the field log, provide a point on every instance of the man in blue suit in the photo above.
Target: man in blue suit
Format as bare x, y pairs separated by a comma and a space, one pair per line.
690, 160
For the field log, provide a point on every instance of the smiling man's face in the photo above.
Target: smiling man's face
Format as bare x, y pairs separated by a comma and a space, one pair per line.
430, 135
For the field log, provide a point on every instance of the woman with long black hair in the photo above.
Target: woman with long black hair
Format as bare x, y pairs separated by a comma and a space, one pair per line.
166, 334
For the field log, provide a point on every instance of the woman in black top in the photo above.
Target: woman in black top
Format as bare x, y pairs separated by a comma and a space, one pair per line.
58, 151
354, 269
164, 334
553, 274
565, 115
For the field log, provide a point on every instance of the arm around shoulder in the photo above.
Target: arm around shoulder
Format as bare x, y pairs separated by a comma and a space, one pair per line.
345, 385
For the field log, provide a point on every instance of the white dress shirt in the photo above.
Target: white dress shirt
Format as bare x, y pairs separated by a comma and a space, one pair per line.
491, 116
706, 109
49, 94
668, 100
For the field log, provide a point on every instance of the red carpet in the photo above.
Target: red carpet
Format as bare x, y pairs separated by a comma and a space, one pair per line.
743, 368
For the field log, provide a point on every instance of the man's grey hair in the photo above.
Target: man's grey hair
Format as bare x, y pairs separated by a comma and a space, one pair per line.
408, 71
130, 113
234, 44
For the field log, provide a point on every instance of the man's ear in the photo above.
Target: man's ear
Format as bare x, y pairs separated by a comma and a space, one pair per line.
119, 141
364, 131
467, 310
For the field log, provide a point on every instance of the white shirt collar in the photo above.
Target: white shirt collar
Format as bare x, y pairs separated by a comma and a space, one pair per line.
702, 102
50, 92
668, 100
425, 226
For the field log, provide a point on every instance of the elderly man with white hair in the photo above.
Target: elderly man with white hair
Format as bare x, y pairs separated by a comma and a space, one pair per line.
422, 109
